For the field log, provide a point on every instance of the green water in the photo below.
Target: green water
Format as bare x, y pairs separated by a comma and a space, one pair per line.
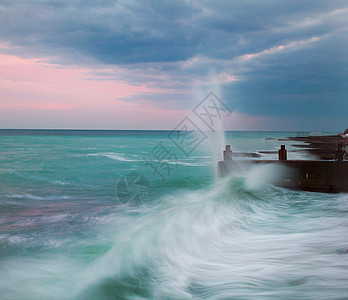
66, 232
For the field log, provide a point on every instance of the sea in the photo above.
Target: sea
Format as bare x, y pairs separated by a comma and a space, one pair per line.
103, 214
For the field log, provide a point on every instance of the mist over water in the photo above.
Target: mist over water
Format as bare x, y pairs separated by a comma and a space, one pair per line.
63, 235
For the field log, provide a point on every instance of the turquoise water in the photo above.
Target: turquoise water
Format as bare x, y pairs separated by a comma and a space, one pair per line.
66, 232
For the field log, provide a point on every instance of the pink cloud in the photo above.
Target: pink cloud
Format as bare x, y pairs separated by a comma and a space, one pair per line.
225, 77
23, 81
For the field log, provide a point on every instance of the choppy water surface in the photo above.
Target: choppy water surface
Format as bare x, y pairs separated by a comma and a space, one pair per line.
65, 235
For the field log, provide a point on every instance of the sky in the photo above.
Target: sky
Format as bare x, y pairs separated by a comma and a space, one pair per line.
104, 64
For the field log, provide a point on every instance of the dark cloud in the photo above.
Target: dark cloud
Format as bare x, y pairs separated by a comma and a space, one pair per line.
159, 31
311, 81
110, 31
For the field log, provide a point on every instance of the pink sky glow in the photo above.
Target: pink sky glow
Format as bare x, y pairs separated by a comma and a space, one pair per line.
36, 94
41, 95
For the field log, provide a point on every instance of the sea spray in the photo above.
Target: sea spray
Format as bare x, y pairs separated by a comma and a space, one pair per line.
176, 241
215, 131
170, 240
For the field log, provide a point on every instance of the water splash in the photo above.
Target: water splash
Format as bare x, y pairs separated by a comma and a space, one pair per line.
216, 140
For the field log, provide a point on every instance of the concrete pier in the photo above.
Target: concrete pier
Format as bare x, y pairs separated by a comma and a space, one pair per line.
308, 175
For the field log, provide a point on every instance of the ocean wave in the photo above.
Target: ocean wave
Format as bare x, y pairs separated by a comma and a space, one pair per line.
190, 164
34, 197
60, 182
237, 238
35, 175
122, 157
114, 156
29, 242
177, 238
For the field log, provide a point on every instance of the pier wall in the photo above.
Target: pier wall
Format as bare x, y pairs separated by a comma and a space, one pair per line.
309, 175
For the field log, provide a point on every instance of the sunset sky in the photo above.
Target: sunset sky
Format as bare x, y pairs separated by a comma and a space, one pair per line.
102, 64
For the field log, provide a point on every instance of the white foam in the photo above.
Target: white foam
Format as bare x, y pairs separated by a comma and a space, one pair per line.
60, 182
34, 197
114, 156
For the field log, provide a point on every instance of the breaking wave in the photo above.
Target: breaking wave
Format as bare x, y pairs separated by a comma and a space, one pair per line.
227, 240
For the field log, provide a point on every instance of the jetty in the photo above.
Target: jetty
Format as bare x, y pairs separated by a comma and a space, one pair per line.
317, 175
321, 146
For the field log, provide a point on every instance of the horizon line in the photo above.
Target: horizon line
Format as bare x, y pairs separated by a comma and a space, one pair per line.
91, 129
